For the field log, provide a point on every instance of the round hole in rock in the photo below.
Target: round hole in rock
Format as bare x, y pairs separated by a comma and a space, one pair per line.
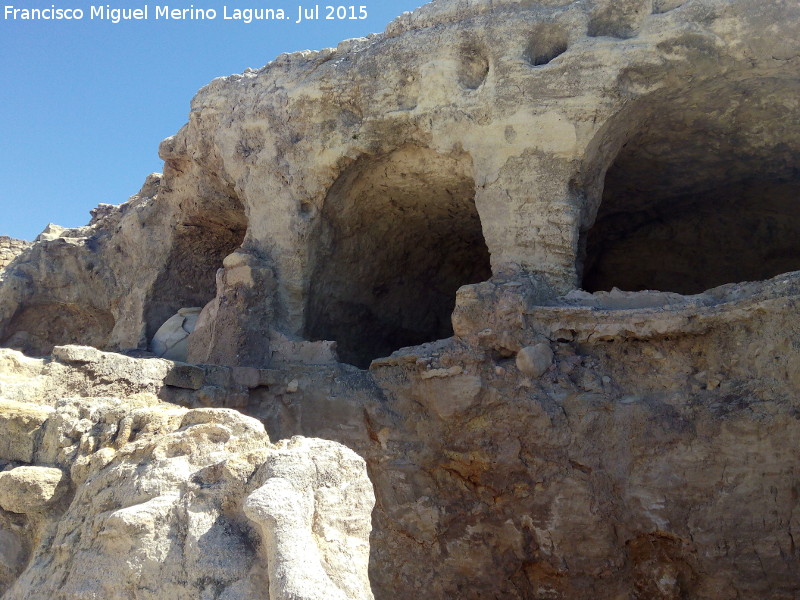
704, 192
547, 42
399, 235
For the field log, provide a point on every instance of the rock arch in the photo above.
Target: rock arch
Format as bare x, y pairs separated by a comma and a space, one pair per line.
399, 234
207, 232
702, 189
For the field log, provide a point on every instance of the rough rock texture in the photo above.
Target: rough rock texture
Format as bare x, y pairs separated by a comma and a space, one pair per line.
10, 249
534, 360
138, 498
29, 489
314, 516
360, 186
480, 180
655, 458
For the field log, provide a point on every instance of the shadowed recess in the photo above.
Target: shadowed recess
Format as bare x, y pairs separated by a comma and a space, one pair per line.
473, 67
705, 191
206, 236
547, 41
36, 329
399, 235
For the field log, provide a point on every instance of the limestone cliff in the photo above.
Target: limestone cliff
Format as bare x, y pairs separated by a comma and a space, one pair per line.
10, 249
130, 497
411, 245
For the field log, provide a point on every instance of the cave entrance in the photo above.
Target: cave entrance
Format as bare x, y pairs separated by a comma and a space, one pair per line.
214, 227
399, 235
705, 191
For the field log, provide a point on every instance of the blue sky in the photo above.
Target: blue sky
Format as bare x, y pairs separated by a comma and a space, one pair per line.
84, 104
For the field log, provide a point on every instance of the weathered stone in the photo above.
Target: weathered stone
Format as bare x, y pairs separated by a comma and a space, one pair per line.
20, 425
535, 360
83, 371
76, 354
13, 555
518, 174
450, 372
185, 376
313, 512
10, 249
247, 376
29, 489
146, 474
451, 395
487, 172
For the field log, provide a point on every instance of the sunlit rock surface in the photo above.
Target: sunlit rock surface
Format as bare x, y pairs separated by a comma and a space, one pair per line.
534, 262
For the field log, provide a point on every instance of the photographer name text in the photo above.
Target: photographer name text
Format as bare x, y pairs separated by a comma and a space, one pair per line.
163, 12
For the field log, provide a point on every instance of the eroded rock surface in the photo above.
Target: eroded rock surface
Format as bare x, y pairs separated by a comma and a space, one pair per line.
314, 513
523, 191
654, 457
123, 498
346, 194
10, 249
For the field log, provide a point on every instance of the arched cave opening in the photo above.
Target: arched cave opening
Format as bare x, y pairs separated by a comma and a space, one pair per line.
399, 235
704, 192
211, 230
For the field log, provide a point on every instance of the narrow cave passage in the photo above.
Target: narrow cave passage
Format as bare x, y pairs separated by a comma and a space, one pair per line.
399, 235
705, 192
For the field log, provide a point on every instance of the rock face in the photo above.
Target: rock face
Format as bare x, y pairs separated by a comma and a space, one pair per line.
347, 194
314, 512
172, 338
148, 500
456, 204
10, 249
29, 489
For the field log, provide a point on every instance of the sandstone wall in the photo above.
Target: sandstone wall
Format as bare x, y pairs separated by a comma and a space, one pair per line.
486, 136
451, 184
10, 249
132, 497
638, 445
